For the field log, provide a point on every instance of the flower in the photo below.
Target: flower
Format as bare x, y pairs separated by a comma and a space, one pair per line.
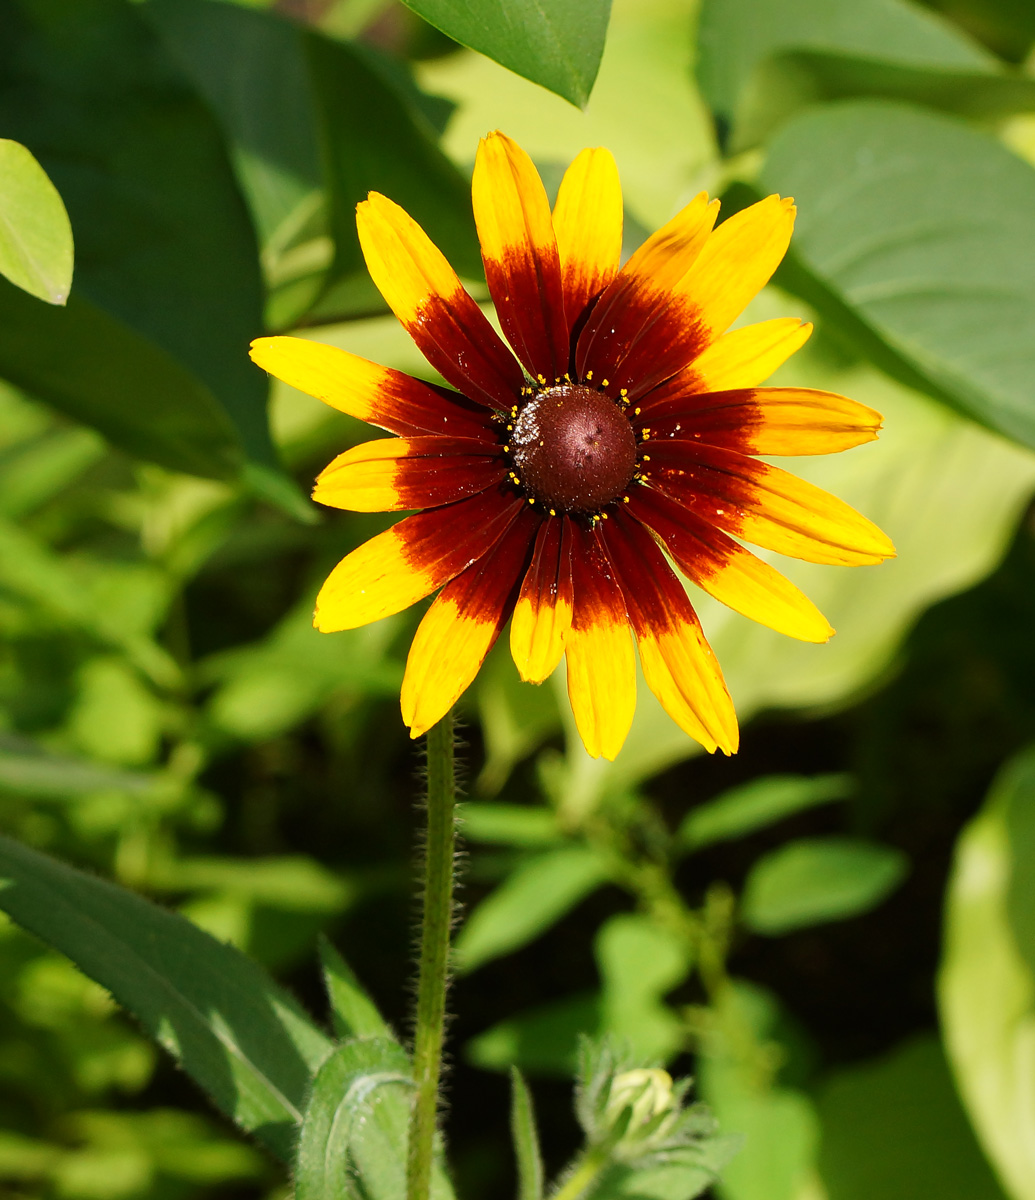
555, 487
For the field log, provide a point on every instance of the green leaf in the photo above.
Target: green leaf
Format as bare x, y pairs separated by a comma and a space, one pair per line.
640, 961
102, 371
555, 43
526, 1139
986, 985
224, 1020
542, 1040
250, 68
895, 1128
167, 261
509, 824
372, 140
759, 60
35, 234
925, 230
353, 1013
645, 109
814, 880
528, 902
353, 1141
778, 1124
755, 805
27, 769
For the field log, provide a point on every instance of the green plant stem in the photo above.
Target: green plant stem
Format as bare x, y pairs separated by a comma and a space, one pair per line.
436, 924
584, 1174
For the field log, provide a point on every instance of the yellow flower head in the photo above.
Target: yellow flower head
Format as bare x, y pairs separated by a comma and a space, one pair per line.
558, 481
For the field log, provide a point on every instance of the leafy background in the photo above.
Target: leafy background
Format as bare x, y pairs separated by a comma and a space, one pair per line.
832, 931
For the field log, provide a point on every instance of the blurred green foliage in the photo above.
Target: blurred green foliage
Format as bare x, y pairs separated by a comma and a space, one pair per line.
170, 722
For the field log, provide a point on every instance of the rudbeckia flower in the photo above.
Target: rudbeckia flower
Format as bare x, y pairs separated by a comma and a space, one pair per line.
563, 477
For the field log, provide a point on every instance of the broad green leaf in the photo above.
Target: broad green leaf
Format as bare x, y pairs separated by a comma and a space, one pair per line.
224, 1020
102, 371
778, 1124
925, 230
372, 140
36, 470
538, 893
757, 804
35, 234
27, 769
895, 1128
542, 1040
526, 1139
947, 492
250, 67
640, 961
759, 60
555, 43
645, 109
353, 1013
353, 1141
167, 261
814, 880
986, 985
509, 824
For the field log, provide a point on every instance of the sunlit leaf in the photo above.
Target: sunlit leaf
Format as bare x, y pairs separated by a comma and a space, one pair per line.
925, 230
528, 902
894, 1128
227, 1023
759, 60
168, 274
986, 988
35, 235
812, 880
556, 43
757, 804
352, 1011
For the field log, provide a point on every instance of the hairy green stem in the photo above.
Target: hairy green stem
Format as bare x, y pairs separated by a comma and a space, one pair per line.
436, 924
585, 1174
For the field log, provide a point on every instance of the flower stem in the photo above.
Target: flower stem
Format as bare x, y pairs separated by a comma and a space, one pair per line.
580, 1179
433, 977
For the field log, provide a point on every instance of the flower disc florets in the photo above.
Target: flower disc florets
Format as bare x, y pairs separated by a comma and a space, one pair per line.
574, 448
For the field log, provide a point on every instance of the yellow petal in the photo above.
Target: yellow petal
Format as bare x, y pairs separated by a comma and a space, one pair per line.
746, 357
678, 664
462, 625
738, 260
409, 561
599, 652
519, 250
727, 571
542, 615
424, 292
394, 474
587, 219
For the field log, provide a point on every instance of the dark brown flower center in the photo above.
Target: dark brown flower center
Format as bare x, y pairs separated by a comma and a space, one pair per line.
574, 448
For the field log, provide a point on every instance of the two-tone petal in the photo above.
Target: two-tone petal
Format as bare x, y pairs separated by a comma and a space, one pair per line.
599, 651
543, 612
368, 391
519, 250
678, 664
411, 560
462, 625
765, 505
587, 219
394, 474
724, 569
767, 421
425, 293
